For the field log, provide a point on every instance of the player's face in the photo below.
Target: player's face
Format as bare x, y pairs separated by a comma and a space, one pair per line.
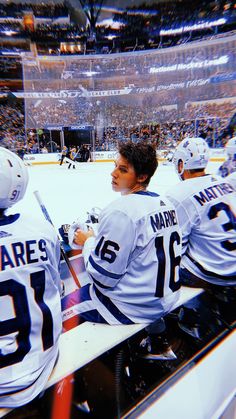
124, 178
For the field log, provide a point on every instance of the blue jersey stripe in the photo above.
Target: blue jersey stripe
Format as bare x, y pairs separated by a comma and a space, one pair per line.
147, 193
93, 316
209, 273
76, 297
102, 270
99, 283
9, 219
122, 318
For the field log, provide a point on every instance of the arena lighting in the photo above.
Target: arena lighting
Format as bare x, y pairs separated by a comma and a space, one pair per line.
10, 53
200, 64
110, 37
9, 33
110, 23
195, 27
143, 12
90, 73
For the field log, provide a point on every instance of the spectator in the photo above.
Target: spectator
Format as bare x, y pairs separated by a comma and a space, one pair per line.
44, 150
30, 285
85, 153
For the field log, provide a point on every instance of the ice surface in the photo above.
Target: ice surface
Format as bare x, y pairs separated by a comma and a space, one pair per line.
69, 194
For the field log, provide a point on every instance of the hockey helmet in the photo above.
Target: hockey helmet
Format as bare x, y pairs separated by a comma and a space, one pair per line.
193, 152
13, 178
231, 147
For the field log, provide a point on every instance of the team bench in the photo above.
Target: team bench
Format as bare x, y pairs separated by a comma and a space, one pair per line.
84, 343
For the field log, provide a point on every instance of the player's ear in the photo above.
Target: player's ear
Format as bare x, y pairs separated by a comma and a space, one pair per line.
142, 178
180, 166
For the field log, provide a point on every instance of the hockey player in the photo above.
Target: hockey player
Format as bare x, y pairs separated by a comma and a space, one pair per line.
229, 166
73, 154
133, 261
30, 316
64, 152
206, 209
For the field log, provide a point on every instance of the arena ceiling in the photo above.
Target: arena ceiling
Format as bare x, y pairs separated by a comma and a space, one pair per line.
109, 7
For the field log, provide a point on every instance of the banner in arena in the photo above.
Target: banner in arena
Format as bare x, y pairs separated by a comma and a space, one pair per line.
70, 94
128, 90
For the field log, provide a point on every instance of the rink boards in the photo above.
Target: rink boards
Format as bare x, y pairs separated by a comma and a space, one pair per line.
216, 155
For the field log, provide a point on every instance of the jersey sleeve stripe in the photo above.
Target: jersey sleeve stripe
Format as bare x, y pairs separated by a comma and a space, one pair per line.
74, 298
99, 283
110, 306
103, 271
208, 273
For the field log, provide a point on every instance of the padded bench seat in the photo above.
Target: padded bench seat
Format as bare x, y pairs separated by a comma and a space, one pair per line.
86, 342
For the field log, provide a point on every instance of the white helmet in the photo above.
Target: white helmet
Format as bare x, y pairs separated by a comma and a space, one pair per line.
13, 178
194, 153
231, 147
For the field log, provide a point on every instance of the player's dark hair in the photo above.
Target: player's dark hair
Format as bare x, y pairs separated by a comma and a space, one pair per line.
142, 156
200, 170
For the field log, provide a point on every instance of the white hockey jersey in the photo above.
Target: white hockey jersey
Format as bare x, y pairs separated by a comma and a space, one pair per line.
232, 179
134, 259
30, 314
206, 208
229, 166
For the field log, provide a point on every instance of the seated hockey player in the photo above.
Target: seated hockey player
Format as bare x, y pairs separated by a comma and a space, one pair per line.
206, 208
229, 165
133, 261
30, 318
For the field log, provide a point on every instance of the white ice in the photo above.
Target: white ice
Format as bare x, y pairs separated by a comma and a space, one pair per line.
69, 194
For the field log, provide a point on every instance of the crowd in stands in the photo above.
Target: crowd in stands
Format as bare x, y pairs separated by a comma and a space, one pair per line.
120, 114
10, 68
12, 132
208, 120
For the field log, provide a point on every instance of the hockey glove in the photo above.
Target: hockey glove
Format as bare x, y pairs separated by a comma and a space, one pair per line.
75, 226
93, 215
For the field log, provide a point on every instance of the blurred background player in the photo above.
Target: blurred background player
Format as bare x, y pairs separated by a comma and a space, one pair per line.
64, 152
232, 179
229, 166
30, 315
72, 157
206, 208
134, 259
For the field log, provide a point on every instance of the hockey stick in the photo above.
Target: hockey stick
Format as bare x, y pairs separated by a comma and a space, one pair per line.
63, 253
